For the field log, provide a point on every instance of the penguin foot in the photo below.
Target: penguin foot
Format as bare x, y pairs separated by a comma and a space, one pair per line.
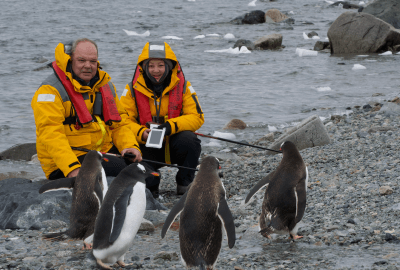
102, 265
121, 263
87, 245
295, 237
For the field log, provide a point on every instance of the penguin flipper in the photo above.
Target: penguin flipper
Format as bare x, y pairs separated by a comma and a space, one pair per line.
59, 184
119, 213
227, 220
175, 211
263, 182
301, 195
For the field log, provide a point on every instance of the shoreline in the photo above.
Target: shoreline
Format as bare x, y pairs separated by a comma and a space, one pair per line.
349, 222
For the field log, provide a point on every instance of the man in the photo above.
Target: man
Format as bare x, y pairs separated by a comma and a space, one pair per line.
77, 106
160, 94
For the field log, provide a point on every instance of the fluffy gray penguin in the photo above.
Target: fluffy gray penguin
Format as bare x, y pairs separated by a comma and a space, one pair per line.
285, 197
120, 215
89, 188
204, 214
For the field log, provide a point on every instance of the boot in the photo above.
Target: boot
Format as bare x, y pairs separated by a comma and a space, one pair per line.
180, 190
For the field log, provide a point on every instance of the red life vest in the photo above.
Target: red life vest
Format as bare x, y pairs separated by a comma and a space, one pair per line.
110, 111
175, 99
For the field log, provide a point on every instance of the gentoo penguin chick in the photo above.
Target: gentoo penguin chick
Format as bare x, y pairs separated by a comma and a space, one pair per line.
204, 213
120, 215
89, 189
285, 197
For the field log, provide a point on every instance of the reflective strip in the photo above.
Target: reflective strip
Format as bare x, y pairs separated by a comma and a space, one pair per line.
52, 80
124, 93
46, 98
99, 144
199, 111
184, 87
132, 90
112, 88
156, 48
192, 90
157, 51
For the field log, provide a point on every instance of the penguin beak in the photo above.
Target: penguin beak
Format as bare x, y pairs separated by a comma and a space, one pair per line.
155, 174
105, 159
219, 167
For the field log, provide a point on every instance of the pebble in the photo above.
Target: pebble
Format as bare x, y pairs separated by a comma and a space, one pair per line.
349, 223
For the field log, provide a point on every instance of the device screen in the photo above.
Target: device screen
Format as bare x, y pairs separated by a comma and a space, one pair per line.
156, 136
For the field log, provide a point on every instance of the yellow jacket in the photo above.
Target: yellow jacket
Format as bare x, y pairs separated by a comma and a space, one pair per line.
192, 117
54, 139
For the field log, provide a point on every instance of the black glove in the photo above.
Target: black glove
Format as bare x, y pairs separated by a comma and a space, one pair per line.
167, 127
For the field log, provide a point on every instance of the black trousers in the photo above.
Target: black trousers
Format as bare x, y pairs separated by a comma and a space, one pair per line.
112, 168
185, 150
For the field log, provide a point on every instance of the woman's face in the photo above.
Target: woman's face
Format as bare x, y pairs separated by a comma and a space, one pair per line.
156, 68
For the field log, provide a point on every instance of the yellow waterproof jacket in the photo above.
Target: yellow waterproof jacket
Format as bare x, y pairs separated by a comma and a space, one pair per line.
54, 139
191, 118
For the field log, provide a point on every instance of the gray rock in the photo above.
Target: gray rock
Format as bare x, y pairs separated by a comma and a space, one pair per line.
35, 211
312, 34
309, 133
275, 15
270, 42
386, 10
321, 45
153, 204
345, 5
17, 213
253, 17
157, 217
361, 33
244, 42
19, 152
146, 226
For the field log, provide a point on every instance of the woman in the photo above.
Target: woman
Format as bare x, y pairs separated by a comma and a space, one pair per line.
160, 94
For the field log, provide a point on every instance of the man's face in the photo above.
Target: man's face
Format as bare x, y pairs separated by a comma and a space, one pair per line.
84, 61
156, 68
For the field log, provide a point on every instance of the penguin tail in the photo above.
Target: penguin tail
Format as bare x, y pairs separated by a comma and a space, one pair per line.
266, 232
56, 236
202, 266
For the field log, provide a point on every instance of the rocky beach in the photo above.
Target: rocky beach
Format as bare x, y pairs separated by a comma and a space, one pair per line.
351, 220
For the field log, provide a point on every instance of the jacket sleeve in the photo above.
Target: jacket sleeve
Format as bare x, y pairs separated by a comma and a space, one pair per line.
122, 135
192, 117
49, 116
129, 104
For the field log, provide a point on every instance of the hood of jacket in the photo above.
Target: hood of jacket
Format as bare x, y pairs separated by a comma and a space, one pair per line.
62, 60
160, 50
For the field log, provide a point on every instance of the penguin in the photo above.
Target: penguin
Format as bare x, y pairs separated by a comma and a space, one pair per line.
120, 215
89, 188
284, 201
204, 213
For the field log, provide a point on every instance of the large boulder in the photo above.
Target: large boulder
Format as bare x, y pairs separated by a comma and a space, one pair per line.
253, 17
275, 15
361, 33
270, 42
19, 152
22, 207
310, 132
386, 10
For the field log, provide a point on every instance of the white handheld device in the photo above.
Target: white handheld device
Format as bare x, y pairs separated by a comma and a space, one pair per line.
156, 137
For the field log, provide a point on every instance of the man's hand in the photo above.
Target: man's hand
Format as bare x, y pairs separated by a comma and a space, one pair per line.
74, 173
145, 135
133, 151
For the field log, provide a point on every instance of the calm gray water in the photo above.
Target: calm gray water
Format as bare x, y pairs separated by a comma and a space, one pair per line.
280, 90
